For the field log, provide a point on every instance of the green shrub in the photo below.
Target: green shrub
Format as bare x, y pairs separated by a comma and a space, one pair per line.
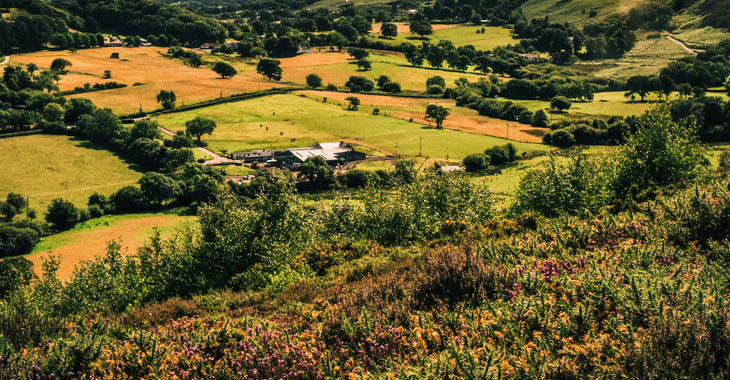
16, 241
416, 211
62, 214
560, 138
578, 187
435, 90
476, 162
661, 152
697, 215
15, 272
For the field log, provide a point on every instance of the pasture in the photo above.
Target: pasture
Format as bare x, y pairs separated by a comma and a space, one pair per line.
47, 167
337, 67
458, 34
461, 118
145, 72
604, 104
89, 239
283, 121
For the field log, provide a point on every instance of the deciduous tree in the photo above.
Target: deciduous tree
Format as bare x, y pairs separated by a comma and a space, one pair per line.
167, 99
389, 30
437, 113
200, 126
225, 70
269, 68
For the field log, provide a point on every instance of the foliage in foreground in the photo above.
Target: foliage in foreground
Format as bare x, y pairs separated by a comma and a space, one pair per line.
641, 295
417, 281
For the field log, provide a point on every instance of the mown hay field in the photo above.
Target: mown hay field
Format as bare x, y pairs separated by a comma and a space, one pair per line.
145, 72
48, 166
89, 239
283, 121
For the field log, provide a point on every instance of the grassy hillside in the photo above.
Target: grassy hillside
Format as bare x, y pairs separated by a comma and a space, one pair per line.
577, 11
272, 122
47, 167
648, 57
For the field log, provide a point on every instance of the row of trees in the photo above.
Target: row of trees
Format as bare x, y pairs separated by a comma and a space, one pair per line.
496, 155
564, 42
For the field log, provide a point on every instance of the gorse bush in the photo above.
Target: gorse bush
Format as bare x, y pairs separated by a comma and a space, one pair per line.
698, 215
685, 348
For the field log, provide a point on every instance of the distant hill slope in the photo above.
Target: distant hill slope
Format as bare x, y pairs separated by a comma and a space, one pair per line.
577, 11
699, 23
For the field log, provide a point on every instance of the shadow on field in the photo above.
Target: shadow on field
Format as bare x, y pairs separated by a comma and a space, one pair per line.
91, 145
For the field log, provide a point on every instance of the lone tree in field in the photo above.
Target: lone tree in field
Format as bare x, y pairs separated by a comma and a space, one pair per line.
200, 126
437, 113
224, 70
167, 99
364, 65
314, 81
354, 102
60, 65
421, 27
358, 53
270, 68
560, 103
389, 30
639, 85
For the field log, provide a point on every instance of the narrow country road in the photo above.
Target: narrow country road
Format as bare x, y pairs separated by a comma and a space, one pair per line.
6, 59
216, 158
682, 45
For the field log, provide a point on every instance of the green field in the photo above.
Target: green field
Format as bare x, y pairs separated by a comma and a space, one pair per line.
242, 126
611, 103
89, 239
336, 68
459, 35
47, 167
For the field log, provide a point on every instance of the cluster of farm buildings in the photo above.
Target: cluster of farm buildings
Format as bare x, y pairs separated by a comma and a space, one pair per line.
334, 153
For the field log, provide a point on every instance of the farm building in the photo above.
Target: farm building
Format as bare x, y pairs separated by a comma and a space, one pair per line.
535, 58
209, 46
334, 153
113, 41
253, 156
